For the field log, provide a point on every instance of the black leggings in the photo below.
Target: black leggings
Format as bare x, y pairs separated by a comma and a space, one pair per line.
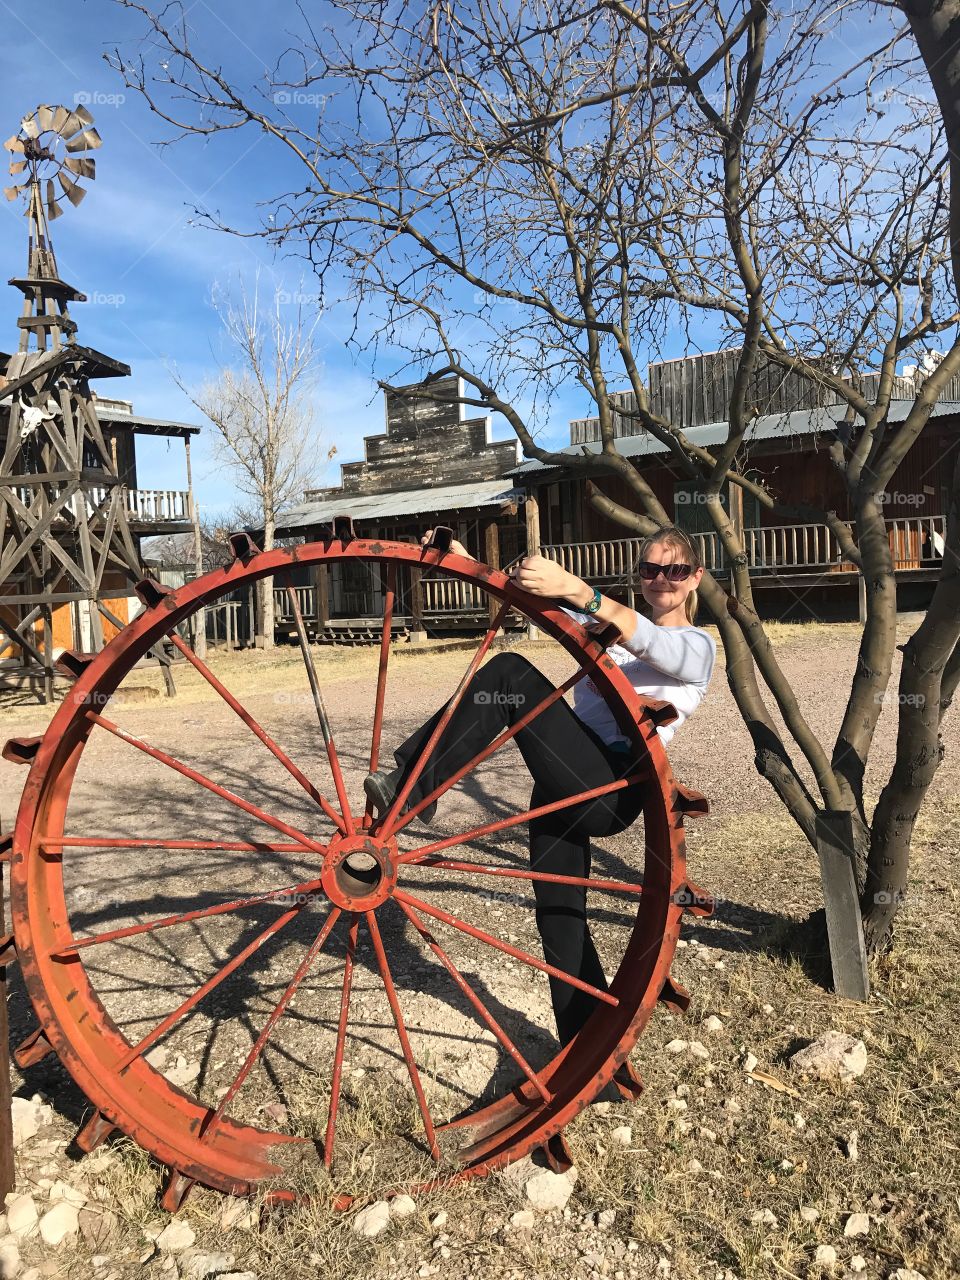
564, 757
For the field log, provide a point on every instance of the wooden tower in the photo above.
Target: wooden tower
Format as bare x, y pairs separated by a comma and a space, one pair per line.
64, 534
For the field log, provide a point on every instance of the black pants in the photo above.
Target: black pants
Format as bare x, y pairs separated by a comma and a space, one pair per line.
564, 757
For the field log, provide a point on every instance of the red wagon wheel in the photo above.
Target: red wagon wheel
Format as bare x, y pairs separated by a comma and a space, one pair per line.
303, 910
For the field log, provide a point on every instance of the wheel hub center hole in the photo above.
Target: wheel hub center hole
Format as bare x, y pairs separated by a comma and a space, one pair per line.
360, 873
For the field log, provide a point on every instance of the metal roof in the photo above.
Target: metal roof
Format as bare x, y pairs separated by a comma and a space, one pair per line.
783, 426
407, 502
148, 426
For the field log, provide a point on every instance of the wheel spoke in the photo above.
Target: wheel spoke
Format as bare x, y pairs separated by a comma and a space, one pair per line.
255, 728
481, 936
402, 1033
222, 846
388, 826
277, 1013
415, 855
336, 1078
131, 931
321, 713
481, 1009
179, 767
495, 745
385, 636
192, 1001
521, 873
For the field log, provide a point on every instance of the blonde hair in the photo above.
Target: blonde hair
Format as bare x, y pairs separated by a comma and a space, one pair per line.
671, 536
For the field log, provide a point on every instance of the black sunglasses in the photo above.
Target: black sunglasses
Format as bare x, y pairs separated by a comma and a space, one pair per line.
649, 569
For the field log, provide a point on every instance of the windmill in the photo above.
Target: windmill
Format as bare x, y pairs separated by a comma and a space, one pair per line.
65, 541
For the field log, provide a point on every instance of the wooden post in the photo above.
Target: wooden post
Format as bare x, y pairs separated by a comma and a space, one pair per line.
531, 512
848, 955
417, 630
321, 591
200, 634
491, 544
7, 1173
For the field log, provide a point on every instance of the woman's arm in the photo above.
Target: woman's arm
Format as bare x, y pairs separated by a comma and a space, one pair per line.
543, 577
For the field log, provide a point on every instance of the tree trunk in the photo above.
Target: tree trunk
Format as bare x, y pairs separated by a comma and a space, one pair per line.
927, 681
266, 637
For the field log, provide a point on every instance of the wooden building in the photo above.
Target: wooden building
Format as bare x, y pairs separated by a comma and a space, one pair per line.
795, 564
431, 465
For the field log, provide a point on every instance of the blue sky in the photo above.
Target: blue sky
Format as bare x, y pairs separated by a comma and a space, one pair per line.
130, 247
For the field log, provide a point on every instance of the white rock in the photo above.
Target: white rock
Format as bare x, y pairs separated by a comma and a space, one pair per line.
857, 1263
548, 1190
176, 1236
372, 1220
694, 1167
26, 1119
833, 1056
750, 1063
853, 1146
183, 1072
202, 1265
9, 1261
157, 1057
713, 1025
606, 1218
59, 1222
906, 1273
858, 1224
64, 1191
523, 1220
808, 1213
676, 1046
707, 1135
767, 1009
602, 1108
825, 1255
764, 1218
623, 1135
439, 1220
699, 1050
22, 1216
402, 1206
676, 1104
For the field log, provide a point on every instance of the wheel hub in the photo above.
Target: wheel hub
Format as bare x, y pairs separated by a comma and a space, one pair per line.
359, 872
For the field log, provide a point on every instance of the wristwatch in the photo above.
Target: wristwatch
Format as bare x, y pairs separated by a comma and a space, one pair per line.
593, 605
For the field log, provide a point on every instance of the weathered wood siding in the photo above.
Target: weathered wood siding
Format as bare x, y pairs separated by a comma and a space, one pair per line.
696, 390
426, 444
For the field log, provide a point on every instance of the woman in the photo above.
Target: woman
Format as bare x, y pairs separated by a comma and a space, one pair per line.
572, 749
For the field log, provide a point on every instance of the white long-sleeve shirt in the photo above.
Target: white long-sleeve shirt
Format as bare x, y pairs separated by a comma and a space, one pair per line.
673, 664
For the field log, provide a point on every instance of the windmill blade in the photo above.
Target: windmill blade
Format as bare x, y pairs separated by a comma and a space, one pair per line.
81, 111
12, 192
44, 116
71, 124
17, 166
30, 127
53, 209
60, 116
14, 144
89, 138
81, 166
70, 189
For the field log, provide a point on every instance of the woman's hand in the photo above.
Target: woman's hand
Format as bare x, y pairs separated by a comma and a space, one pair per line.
543, 577
456, 547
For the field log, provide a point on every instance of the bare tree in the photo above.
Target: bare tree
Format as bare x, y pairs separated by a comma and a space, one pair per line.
548, 193
260, 404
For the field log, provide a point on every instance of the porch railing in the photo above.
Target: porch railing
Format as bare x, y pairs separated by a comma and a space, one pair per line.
915, 541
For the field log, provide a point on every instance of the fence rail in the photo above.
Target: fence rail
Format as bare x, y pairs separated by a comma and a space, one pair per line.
916, 542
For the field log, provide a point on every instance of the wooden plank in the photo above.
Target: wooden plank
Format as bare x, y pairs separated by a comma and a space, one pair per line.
848, 956
7, 1173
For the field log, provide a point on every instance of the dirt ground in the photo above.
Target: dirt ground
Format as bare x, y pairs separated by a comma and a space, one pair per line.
690, 1186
